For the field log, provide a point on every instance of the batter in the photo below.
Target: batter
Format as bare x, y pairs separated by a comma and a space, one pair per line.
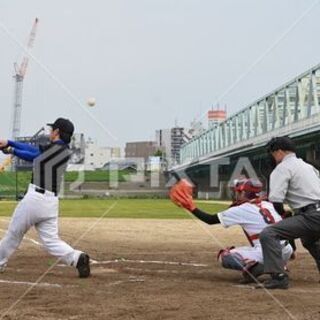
40, 205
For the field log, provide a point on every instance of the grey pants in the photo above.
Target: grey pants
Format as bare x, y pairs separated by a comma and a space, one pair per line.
303, 225
235, 262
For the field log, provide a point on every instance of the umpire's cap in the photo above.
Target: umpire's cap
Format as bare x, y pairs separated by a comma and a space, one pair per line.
66, 128
281, 143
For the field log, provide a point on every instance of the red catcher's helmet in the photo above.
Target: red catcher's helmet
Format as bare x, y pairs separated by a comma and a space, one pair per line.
247, 185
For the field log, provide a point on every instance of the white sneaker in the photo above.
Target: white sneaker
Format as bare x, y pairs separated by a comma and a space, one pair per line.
3, 268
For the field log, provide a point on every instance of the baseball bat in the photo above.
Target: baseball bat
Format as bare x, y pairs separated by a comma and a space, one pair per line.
5, 163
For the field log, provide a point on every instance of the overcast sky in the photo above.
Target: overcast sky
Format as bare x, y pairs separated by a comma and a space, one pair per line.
149, 62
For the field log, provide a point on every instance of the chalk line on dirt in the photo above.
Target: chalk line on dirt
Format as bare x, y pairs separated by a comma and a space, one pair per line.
43, 284
151, 271
173, 263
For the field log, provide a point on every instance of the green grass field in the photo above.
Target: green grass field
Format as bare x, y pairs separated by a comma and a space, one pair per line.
97, 176
124, 208
8, 179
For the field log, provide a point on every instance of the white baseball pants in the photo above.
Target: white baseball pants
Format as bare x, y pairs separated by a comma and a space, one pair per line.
41, 211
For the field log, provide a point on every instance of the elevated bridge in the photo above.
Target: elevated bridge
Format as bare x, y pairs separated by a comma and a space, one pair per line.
292, 109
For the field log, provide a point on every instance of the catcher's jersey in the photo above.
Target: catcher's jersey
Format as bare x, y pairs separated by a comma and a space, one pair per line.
251, 217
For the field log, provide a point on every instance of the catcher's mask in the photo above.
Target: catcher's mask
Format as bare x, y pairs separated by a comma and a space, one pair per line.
251, 187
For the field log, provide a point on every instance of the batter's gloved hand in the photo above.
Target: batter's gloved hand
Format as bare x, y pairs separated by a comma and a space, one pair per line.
7, 150
181, 195
3, 144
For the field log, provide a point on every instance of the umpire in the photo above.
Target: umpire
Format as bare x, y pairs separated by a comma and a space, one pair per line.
298, 184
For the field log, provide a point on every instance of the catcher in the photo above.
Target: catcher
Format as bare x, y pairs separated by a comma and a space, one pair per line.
249, 211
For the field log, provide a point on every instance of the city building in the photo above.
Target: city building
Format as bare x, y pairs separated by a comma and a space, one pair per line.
196, 129
170, 141
96, 157
141, 149
215, 117
78, 147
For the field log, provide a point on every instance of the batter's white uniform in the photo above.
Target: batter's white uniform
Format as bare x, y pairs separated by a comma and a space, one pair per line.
252, 220
41, 211
40, 205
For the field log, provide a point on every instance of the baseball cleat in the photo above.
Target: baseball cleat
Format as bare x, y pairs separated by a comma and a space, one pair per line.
277, 281
83, 266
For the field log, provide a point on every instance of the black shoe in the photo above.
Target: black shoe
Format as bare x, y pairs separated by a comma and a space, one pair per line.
277, 281
83, 266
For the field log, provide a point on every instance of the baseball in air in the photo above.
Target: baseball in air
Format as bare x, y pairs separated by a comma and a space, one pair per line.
91, 102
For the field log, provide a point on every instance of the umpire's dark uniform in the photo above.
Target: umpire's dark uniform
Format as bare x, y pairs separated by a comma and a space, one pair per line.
297, 183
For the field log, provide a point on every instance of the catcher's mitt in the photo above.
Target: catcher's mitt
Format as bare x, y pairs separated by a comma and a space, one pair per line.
181, 195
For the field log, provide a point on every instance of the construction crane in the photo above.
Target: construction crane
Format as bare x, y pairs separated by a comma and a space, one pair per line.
20, 72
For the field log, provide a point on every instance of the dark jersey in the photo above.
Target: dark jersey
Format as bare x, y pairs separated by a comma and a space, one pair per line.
50, 166
49, 162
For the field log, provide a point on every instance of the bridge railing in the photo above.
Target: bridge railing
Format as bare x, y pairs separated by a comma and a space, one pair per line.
286, 108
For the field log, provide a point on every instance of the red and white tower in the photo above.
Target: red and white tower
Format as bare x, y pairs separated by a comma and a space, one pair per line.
216, 116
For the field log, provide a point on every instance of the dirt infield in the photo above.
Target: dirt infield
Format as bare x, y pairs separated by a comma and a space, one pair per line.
148, 269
